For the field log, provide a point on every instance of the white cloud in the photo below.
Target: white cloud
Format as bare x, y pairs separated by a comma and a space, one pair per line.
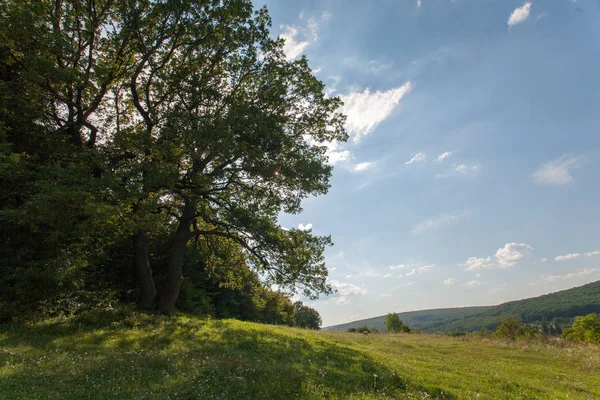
346, 291
419, 157
298, 38
365, 110
543, 260
541, 15
582, 272
399, 266
381, 296
519, 14
418, 3
592, 253
467, 170
443, 156
326, 16
556, 172
441, 221
420, 270
387, 275
472, 283
567, 257
362, 166
293, 46
450, 281
505, 257
306, 227
512, 253
474, 263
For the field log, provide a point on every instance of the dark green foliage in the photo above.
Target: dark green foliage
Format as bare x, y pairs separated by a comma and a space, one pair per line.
512, 328
306, 317
584, 329
393, 324
142, 142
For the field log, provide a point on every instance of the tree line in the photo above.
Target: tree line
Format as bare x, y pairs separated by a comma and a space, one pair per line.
147, 149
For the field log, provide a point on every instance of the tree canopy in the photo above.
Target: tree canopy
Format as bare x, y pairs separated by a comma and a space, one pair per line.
132, 131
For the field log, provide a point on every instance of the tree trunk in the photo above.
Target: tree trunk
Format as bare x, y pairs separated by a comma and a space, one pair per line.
170, 292
143, 272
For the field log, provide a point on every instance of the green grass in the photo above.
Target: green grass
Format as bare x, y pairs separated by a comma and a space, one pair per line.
149, 357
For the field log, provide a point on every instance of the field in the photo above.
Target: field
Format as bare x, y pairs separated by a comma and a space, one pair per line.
136, 356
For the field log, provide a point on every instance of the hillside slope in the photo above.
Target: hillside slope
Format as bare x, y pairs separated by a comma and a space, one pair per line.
559, 308
425, 320
148, 357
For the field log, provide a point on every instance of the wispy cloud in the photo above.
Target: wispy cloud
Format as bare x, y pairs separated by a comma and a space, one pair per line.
441, 221
450, 281
543, 260
299, 37
581, 272
443, 156
346, 291
519, 15
472, 283
566, 257
592, 253
420, 270
467, 170
417, 158
362, 166
556, 172
365, 110
505, 257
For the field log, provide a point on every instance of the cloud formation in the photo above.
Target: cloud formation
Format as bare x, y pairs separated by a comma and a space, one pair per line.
417, 158
519, 15
420, 270
581, 272
567, 257
441, 221
450, 281
472, 283
306, 227
365, 110
362, 166
443, 156
505, 257
346, 291
556, 172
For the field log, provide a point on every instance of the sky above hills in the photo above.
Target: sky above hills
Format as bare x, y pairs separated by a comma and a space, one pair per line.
471, 176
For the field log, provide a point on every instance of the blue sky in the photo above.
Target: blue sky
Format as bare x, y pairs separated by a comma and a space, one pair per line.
471, 176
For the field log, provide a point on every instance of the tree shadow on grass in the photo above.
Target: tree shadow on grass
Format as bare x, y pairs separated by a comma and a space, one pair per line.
197, 360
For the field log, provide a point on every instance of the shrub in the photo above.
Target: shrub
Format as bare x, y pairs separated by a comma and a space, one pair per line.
394, 324
584, 329
512, 328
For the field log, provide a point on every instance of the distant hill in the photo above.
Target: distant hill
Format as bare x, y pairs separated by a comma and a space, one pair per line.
557, 308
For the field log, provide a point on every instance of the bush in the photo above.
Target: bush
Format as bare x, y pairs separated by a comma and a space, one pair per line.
512, 328
394, 324
584, 329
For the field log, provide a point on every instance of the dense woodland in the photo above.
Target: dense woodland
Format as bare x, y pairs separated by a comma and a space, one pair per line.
147, 149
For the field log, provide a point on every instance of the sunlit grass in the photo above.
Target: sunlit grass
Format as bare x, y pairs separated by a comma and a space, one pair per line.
151, 357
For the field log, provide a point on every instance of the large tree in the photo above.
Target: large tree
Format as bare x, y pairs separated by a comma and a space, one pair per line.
185, 115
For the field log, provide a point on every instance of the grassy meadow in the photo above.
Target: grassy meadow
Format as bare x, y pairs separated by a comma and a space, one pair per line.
135, 356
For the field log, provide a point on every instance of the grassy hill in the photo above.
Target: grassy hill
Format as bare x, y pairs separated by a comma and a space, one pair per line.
137, 356
560, 307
